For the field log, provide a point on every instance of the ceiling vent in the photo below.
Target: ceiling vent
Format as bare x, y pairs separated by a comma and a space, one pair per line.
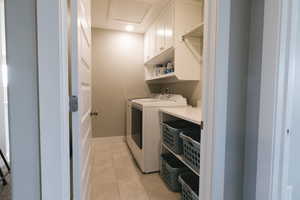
129, 11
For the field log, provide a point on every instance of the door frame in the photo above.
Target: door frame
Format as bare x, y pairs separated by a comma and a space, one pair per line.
215, 92
276, 100
36, 38
53, 87
4, 135
215, 77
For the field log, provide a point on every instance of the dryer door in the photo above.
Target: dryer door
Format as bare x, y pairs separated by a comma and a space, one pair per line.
137, 125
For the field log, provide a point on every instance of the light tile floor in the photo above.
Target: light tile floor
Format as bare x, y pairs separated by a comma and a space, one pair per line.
115, 176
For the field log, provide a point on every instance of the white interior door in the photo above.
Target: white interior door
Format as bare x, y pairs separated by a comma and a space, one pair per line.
81, 87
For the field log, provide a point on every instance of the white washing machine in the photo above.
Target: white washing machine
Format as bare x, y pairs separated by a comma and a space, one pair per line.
144, 138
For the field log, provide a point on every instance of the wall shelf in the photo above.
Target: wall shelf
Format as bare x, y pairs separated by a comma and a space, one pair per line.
192, 39
165, 76
196, 32
163, 57
195, 47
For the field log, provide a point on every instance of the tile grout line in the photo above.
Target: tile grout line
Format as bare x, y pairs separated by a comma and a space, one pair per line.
116, 152
117, 182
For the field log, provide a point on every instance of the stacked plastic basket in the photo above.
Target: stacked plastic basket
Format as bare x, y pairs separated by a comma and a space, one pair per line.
182, 138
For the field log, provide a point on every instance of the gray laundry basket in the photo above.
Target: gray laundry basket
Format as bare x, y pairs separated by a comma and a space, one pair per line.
191, 147
190, 186
170, 170
171, 134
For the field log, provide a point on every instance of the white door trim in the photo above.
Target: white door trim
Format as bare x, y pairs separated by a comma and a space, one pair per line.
53, 99
4, 134
274, 105
285, 191
215, 92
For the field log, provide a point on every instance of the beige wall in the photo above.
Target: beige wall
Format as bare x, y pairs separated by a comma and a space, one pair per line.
117, 74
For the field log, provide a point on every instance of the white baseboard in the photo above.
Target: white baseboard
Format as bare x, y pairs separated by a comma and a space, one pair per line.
114, 139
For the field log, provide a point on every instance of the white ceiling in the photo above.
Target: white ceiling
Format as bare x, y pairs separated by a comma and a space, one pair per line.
116, 14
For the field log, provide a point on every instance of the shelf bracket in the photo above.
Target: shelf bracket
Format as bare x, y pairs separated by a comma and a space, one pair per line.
190, 46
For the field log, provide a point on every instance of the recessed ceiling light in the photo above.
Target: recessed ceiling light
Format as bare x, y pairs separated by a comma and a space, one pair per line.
129, 28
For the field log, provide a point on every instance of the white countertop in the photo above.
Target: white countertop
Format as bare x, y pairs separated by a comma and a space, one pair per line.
192, 114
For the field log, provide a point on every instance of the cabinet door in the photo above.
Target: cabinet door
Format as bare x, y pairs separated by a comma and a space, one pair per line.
152, 42
160, 34
169, 26
146, 46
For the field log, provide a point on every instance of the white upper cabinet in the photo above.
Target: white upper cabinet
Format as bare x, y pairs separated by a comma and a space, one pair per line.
169, 26
165, 41
160, 35
146, 46
150, 43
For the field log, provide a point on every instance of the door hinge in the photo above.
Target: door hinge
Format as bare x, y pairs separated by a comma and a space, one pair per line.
73, 104
202, 125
